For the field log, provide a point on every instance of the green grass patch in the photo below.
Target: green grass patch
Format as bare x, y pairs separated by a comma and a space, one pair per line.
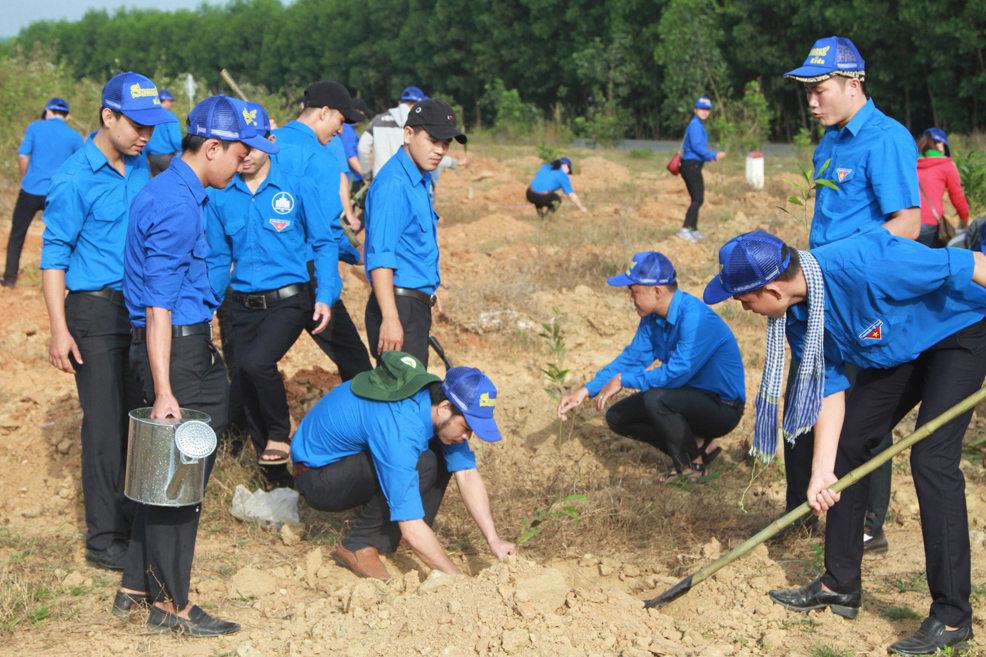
829, 651
899, 613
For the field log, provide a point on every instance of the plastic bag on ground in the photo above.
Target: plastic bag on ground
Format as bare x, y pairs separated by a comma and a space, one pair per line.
270, 508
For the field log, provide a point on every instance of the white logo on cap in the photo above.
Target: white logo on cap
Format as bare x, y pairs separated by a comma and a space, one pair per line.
407, 360
417, 110
283, 203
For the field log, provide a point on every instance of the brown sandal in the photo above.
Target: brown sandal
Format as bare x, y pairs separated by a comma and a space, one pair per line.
280, 454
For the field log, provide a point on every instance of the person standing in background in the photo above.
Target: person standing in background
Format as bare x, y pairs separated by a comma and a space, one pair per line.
695, 153
165, 143
936, 174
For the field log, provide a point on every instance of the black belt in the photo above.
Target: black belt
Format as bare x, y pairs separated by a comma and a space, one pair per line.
107, 293
734, 403
260, 300
428, 299
139, 333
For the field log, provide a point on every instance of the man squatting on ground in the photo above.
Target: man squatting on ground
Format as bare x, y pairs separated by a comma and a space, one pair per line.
911, 318
401, 247
167, 291
85, 231
391, 439
263, 223
872, 162
697, 393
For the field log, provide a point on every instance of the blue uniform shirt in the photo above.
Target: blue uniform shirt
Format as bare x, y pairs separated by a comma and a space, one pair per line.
696, 143
166, 139
696, 349
265, 235
873, 162
395, 433
548, 180
166, 248
85, 215
401, 225
887, 299
350, 144
49, 144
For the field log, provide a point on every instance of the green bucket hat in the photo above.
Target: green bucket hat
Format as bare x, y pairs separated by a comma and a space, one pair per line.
399, 376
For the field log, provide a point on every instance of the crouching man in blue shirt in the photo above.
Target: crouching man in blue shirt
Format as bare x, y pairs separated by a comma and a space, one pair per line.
167, 291
698, 391
391, 439
912, 318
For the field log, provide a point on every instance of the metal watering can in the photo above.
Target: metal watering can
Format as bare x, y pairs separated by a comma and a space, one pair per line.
166, 459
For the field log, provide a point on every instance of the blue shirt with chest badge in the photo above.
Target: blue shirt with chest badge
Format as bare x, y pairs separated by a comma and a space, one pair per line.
267, 234
401, 225
164, 261
86, 218
395, 433
873, 162
887, 299
696, 349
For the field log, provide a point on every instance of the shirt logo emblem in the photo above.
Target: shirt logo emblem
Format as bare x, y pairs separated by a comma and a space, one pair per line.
873, 332
484, 400
250, 117
280, 224
407, 360
282, 203
842, 173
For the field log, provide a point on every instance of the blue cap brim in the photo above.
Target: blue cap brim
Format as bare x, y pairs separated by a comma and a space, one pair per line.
715, 292
149, 116
809, 72
262, 144
484, 427
621, 281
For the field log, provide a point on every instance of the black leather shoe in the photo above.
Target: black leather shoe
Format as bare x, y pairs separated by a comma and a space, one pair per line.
199, 624
124, 603
930, 638
875, 543
112, 558
814, 596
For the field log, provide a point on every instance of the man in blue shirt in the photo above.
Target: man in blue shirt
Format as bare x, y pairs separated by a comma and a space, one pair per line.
696, 395
82, 253
912, 318
170, 300
401, 247
165, 143
262, 223
45, 147
390, 440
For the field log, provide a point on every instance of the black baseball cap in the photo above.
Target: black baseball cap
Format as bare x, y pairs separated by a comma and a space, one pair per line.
331, 94
360, 105
437, 117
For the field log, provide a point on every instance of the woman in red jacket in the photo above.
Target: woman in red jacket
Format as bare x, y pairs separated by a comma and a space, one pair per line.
936, 173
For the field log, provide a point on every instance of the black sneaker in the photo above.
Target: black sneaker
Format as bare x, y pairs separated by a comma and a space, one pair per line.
199, 623
875, 543
112, 558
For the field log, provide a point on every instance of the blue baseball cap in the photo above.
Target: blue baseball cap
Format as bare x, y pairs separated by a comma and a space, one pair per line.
164, 94
136, 97
646, 268
703, 102
475, 395
746, 263
565, 160
257, 115
229, 119
413, 93
938, 135
830, 56
57, 104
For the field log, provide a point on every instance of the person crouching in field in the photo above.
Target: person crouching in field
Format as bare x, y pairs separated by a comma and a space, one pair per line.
543, 190
912, 319
697, 392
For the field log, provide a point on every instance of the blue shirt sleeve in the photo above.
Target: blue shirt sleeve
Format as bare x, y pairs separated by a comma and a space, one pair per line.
690, 353
174, 134
636, 356
220, 250
389, 210
64, 215
459, 457
168, 254
893, 173
913, 271
565, 182
396, 460
27, 144
319, 231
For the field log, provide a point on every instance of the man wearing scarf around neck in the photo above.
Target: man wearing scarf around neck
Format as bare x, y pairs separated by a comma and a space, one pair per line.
912, 319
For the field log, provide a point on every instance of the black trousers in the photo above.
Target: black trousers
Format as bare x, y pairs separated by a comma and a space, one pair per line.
107, 393
340, 340
938, 379
415, 319
691, 173
162, 544
671, 418
237, 415
549, 200
262, 337
159, 163
352, 481
26, 206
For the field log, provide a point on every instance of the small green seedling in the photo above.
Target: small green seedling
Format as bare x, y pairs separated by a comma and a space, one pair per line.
811, 183
533, 528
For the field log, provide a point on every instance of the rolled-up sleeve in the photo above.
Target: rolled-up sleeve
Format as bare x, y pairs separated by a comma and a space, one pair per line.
64, 214
385, 211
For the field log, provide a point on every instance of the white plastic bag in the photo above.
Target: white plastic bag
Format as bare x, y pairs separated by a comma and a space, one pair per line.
273, 508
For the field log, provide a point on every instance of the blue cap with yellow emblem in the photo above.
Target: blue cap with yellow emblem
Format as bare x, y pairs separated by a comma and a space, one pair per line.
746, 263
229, 119
646, 268
703, 102
136, 97
263, 121
830, 56
474, 394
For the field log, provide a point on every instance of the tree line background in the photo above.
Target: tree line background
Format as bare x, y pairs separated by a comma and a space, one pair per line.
605, 68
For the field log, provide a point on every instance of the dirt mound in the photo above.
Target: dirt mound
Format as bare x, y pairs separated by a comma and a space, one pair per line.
507, 195
497, 227
307, 386
597, 173
525, 166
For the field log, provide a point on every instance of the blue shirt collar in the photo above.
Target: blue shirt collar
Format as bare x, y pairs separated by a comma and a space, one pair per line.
303, 129
674, 309
273, 179
187, 176
416, 176
861, 117
97, 160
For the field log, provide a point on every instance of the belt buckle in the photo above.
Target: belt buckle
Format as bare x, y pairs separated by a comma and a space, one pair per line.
432, 298
255, 301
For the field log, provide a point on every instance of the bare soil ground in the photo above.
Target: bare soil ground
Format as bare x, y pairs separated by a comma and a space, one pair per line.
575, 590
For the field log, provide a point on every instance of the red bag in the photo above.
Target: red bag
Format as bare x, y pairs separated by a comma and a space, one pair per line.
674, 166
